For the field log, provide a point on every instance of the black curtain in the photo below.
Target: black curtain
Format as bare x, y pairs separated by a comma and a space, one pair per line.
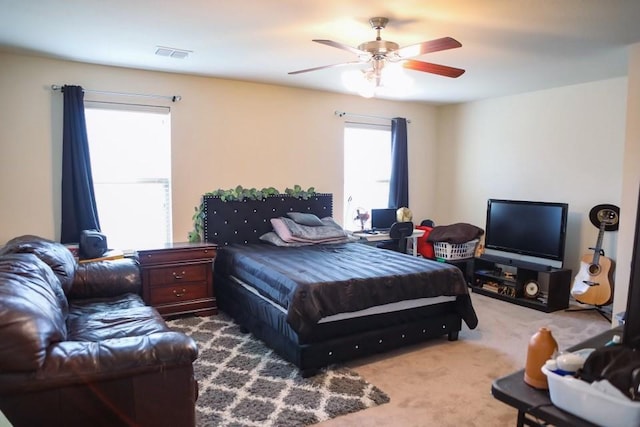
399, 182
78, 199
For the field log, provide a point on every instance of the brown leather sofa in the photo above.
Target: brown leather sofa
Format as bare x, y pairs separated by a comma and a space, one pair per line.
78, 347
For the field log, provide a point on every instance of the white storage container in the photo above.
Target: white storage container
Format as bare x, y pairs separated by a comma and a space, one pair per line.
581, 399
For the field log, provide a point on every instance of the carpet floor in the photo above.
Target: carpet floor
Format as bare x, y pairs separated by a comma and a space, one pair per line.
434, 384
243, 383
448, 384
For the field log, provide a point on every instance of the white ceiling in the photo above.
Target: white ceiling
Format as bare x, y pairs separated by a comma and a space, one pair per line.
508, 46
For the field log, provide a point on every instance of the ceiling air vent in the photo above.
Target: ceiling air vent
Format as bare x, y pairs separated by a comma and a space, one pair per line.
172, 52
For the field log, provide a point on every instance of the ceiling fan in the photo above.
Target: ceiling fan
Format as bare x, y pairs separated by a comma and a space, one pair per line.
378, 52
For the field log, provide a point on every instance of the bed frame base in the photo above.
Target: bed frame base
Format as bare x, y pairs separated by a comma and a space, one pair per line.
259, 317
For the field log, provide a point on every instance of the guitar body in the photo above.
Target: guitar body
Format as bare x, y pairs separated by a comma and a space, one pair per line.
599, 289
593, 284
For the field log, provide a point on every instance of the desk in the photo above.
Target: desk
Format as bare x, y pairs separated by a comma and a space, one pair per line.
531, 402
378, 237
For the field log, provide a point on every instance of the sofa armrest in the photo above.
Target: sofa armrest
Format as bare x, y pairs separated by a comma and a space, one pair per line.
103, 279
82, 362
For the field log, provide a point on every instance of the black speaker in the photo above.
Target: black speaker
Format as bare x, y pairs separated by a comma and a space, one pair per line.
93, 244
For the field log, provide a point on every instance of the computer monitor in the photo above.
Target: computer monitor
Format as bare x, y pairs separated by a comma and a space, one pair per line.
382, 219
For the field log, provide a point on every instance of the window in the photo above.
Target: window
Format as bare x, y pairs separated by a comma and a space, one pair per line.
130, 148
367, 169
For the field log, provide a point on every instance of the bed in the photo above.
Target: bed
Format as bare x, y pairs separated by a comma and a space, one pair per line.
320, 304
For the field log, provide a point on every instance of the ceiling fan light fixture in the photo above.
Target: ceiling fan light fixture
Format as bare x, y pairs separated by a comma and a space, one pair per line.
394, 77
388, 79
358, 82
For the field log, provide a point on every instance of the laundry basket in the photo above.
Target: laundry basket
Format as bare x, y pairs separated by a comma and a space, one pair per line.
451, 251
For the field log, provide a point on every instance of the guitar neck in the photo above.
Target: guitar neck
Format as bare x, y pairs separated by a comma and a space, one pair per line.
598, 248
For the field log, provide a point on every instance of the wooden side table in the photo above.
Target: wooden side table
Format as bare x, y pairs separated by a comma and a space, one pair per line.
178, 278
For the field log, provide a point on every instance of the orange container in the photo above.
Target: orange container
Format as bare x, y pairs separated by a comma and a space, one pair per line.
542, 347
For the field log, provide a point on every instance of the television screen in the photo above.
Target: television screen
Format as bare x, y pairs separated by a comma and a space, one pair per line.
536, 229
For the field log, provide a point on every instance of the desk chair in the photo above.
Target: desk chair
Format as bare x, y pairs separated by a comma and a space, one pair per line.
398, 233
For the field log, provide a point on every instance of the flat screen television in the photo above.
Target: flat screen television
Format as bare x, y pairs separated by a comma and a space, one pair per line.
534, 229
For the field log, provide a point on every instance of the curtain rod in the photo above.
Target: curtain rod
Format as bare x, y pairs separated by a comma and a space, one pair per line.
172, 98
344, 113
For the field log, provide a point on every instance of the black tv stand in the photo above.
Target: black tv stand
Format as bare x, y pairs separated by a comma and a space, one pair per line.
505, 279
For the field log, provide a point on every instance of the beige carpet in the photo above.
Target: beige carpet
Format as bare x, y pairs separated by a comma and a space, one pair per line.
443, 383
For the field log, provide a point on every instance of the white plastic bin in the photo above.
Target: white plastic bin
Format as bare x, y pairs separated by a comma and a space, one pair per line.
578, 397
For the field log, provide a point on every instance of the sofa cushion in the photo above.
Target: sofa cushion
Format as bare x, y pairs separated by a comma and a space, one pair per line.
54, 254
31, 315
99, 326
91, 306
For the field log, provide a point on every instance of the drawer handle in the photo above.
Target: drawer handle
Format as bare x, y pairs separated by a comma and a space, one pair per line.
178, 276
178, 294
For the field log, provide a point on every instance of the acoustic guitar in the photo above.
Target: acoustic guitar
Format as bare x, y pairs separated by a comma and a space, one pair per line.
593, 284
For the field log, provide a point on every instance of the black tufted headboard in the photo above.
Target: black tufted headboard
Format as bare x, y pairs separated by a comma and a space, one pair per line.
245, 221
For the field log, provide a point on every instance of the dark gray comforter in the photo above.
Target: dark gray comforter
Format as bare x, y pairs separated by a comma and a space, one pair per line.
316, 281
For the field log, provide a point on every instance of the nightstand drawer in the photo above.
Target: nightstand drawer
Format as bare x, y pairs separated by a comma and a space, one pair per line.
178, 293
150, 257
178, 274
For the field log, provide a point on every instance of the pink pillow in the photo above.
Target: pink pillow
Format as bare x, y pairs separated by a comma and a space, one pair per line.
281, 229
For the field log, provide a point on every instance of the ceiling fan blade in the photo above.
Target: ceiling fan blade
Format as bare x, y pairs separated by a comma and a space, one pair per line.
341, 46
429, 67
426, 47
323, 67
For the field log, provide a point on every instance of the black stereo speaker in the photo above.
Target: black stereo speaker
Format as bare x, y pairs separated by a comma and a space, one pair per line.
93, 244
544, 277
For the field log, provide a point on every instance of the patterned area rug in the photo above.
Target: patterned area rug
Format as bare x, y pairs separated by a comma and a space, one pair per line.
243, 383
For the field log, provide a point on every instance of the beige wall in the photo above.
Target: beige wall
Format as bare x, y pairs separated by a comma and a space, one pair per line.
224, 133
566, 144
560, 145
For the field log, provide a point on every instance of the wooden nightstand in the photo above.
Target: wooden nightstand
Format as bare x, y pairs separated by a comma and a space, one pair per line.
178, 278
